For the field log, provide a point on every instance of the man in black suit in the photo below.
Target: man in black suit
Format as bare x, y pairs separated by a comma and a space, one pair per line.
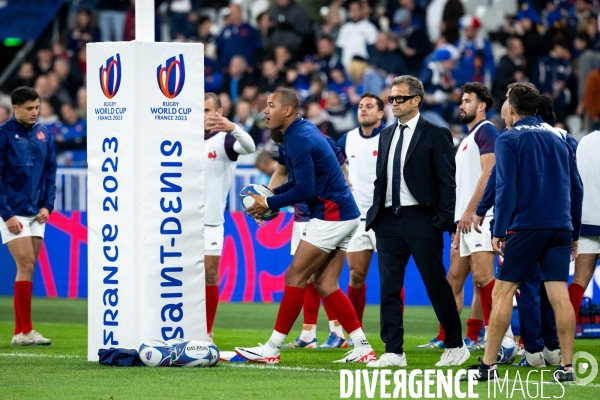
413, 204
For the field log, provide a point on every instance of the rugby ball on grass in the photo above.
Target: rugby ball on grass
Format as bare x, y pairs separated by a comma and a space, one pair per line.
259, 190
195, 353
155, 353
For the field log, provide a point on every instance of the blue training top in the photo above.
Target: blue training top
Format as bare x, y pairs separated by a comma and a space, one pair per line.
301, 210
315, 176
537, 182
27, 169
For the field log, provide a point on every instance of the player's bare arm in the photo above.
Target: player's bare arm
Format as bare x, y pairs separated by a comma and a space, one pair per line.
469, 218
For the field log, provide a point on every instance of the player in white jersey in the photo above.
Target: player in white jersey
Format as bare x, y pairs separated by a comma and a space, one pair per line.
223, 142
588, 163
360, 147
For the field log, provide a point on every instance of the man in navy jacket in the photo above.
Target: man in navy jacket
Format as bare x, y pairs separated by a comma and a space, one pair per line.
316, 179
27, 193
538, 218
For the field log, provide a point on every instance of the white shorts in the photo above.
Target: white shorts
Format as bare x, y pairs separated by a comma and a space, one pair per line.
297, 230
362, 240
329, 235
589, 245
474, 242
213, 240
30, 227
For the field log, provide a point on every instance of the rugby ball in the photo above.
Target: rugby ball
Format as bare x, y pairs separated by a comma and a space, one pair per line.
195, 353
155, 353
508, 351
259, 190
175, 341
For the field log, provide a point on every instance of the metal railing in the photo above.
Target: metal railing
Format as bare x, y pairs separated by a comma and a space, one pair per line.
71, 188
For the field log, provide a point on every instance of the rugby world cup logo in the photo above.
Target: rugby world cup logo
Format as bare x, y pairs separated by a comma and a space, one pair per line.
171, 77
110, 76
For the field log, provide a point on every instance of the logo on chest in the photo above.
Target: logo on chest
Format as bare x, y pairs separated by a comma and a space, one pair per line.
212, 155
465, 148
41, 136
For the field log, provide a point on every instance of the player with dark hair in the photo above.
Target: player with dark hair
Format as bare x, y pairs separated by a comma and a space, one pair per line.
474, 162
27, 193
317, 180
538, 205
224, 141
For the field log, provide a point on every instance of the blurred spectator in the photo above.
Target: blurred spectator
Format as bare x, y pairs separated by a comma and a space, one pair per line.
266, 165
453, 12
48, 87
271, 77
70, 81
82, 102
356, 36
26, 77
365, 77
292, 26
511, 69
339, 114
44, 62
183, 17
553, 73
59, 50
526, 29
84, 31
111, 19
315, 114
282, 57
71, 144
47, 115
586, 63
236, 78
581, 10
385, 59
332, 24
477, 61
439, 85
213, 77
590, 26
591, 100
414, 43
316, 91
326, 54
306, 69
245, 119
81, 61
5, 113
238, 38
205, 37
340, 84
265, 25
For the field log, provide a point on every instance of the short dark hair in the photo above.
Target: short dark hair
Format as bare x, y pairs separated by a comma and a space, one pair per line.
481, 91
22, 95
546, 110
524, 99
288, 98
380, 104
214, 97
525, 84
415, 86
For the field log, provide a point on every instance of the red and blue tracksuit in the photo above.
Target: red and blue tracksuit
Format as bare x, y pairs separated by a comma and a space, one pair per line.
315, 176
27, 169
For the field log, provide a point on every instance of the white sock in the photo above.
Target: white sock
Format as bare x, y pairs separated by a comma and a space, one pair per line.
308, 335
276, 340
358, 338
335, 327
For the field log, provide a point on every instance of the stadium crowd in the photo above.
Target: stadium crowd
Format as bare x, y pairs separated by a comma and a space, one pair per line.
351, 47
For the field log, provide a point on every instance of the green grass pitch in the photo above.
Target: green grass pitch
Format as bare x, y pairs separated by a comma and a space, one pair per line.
60, 371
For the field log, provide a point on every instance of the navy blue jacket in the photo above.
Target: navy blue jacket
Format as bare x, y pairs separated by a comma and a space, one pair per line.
315, 176
537, 182
27, 169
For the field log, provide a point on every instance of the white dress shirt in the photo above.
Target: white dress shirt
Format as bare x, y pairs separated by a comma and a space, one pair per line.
406, 198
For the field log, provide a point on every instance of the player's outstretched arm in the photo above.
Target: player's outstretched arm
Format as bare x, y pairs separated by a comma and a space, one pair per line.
243, 144
279, 177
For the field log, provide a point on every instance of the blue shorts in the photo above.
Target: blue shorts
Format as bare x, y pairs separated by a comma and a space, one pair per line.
551, 249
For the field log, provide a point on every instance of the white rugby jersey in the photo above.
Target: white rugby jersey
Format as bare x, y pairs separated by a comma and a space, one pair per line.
361, 153
219, 168
588, 163
479, 141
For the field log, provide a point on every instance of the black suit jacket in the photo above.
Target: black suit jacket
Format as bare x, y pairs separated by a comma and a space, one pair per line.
429, 172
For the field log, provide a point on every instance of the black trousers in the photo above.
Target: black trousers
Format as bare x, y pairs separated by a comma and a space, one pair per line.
398, 238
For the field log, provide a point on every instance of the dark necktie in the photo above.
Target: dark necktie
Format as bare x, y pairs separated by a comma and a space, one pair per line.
396, 176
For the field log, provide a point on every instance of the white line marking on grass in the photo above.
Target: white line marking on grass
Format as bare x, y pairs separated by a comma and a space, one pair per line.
41, 355
276, 367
